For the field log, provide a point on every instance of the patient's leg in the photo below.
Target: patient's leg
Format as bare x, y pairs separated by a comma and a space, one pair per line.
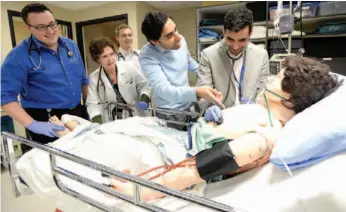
55, 120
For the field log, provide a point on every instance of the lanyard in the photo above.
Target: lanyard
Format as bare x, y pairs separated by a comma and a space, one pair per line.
117, 93
240, 81
124, 111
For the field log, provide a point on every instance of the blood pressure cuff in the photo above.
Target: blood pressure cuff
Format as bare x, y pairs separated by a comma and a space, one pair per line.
216, 161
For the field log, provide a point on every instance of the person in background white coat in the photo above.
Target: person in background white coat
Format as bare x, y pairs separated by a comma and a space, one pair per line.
126, 52
114, 82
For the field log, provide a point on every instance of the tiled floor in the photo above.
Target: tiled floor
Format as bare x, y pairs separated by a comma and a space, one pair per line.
31, 203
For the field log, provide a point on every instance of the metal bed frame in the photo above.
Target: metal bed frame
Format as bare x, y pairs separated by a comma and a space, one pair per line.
138, 182
153, 111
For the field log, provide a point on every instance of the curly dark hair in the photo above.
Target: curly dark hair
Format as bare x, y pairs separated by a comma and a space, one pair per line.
307, 81
237, 19
153, 24
33, 8
98, 44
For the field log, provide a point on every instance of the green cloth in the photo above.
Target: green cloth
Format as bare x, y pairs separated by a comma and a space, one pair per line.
203, 137
97, 119
145, 98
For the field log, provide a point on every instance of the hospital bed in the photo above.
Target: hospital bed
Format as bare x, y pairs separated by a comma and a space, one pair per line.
58, 172
268, 189
318, 188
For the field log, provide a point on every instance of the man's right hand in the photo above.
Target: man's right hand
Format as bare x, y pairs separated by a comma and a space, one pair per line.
210, 94
214, 114
45, 128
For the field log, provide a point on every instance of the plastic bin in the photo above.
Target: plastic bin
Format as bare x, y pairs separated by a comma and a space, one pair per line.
272, 11
331, 28
331, 8
308, 10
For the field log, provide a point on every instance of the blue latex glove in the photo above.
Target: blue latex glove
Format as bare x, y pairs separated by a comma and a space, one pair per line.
44, 128
214, 114
142, 105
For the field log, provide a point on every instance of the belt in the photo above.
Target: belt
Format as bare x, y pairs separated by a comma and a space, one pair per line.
64, 109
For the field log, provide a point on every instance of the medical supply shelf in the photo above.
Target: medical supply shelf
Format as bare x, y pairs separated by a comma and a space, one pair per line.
261, 18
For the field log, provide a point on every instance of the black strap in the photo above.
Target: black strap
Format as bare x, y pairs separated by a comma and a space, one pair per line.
118, 95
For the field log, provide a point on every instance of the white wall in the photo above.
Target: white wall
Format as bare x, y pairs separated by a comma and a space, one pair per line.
111, 9
142, 9
185, 19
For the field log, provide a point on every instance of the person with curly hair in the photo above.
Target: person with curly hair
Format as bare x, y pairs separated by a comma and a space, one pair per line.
234, 66
114, 82
246, 137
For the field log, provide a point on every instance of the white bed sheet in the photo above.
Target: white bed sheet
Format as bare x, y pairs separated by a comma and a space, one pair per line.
318, 188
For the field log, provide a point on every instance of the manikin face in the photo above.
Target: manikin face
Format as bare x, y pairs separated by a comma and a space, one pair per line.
37, 25
170, 37
108, 58
125, 38
271, 98
236, 41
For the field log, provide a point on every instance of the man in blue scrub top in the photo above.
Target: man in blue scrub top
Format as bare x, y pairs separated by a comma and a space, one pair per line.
165, 61
48, 73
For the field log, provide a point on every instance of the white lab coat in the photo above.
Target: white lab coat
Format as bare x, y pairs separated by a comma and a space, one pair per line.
131, 85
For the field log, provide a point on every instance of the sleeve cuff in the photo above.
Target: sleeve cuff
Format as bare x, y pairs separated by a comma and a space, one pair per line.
8, 100
85, 82
145, 98
190, 94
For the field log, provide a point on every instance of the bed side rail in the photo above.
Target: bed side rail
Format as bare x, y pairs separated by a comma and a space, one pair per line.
9, 161
153, 111
136, 200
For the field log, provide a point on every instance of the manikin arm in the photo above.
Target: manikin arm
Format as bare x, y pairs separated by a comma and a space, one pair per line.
249, 150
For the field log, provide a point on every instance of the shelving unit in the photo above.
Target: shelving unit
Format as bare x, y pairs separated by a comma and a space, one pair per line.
261, 18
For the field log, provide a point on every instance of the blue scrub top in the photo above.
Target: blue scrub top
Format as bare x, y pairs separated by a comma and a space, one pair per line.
57, 84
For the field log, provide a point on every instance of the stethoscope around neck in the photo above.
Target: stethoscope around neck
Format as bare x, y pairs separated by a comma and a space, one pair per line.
240, 81
121, 57
31, 43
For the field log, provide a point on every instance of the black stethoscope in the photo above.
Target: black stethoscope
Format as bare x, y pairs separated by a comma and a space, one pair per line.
121, 56
69, 53
240, 81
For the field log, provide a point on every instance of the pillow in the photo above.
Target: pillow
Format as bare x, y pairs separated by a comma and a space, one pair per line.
315, 134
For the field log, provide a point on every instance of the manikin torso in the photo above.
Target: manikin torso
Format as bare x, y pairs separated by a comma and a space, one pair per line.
245, 118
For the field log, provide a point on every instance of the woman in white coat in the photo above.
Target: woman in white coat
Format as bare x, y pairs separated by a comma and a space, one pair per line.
114, 82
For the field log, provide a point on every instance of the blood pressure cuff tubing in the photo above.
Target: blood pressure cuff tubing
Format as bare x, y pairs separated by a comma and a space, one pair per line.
216, 161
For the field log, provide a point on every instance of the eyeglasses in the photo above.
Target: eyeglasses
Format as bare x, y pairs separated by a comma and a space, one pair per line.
42, 27
267, 104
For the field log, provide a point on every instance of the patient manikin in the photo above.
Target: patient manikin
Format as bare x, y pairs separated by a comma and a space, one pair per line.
252, 129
